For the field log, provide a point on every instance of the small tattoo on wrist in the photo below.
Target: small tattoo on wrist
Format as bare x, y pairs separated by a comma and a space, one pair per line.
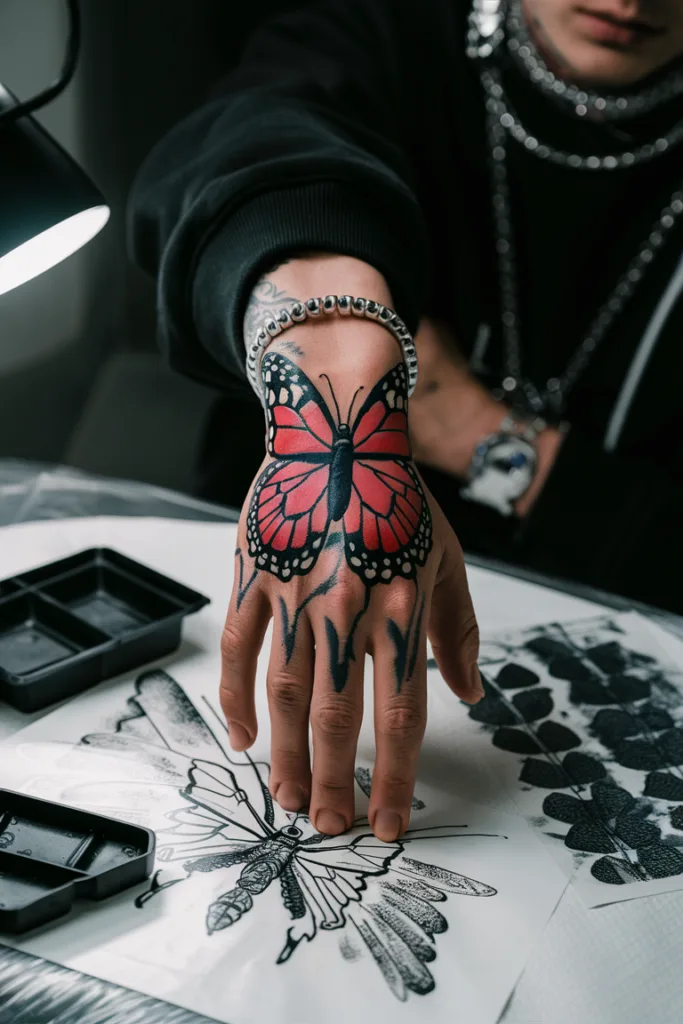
289, 346
265, 300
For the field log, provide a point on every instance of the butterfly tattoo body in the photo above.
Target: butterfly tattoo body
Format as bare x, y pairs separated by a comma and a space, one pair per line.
359, 473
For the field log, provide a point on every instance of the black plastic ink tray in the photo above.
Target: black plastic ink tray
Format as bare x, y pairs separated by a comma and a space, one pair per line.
51, 855
72, 623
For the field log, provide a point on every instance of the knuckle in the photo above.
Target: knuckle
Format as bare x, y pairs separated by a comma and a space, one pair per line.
335, 721
287, 695
470, 639
231, 701
346, 600
289, 763
331, 788
402, 722
399, 599
231, 642
397, 781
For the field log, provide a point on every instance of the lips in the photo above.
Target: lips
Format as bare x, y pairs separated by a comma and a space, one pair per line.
604, 27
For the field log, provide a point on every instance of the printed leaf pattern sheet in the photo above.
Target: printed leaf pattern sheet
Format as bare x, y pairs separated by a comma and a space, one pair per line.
586, 722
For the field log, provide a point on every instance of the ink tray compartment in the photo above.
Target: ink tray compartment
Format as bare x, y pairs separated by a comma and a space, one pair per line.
51, 855
70, 624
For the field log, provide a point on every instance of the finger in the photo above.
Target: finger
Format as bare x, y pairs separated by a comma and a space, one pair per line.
400, 670
289, 684
336, 715
241, 642
453, 629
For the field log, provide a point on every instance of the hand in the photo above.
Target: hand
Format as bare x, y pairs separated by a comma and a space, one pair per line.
451, 412
342, 546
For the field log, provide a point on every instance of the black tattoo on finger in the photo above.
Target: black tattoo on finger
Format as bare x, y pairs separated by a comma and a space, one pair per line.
407, 644
355, 471
290, 626
340, 655
242, 587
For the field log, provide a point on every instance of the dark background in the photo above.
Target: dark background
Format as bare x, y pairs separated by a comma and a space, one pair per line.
80, 380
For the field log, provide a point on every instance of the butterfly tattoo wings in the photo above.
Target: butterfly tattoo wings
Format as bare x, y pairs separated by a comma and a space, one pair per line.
359, 473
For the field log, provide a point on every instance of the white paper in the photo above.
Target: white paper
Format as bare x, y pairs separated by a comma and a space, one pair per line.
154, 761
619, 731
619, 963
509, 885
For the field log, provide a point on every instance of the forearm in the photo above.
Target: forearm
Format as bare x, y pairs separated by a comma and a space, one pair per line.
301, 149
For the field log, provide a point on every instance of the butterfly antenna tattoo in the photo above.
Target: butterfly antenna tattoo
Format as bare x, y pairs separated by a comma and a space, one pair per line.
357, 392
334, 398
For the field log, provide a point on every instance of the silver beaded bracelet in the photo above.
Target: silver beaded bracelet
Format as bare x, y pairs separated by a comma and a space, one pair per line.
313, 309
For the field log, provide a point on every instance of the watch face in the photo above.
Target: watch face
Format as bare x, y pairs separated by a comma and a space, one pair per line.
502, 469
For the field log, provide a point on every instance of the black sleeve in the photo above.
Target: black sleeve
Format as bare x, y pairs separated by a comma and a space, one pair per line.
304, 148
611, 520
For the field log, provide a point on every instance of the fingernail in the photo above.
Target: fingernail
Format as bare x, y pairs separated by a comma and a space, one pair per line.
238, 736
387, 826
476, 685
330, 823
290, 796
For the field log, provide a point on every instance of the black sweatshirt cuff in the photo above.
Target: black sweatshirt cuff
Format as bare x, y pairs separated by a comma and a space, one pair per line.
324, 216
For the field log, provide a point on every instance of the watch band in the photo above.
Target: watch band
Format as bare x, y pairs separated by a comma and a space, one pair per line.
528, 429
504, 464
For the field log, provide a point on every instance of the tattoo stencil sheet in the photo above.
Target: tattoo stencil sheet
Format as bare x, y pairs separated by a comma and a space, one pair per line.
586, 722
252, 915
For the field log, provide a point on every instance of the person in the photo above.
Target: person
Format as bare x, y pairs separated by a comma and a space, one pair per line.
502, 182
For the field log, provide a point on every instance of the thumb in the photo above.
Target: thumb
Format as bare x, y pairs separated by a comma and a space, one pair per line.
243, 632
453, 629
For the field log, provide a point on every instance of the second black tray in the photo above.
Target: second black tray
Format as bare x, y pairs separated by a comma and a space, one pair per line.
51, 855
72, 623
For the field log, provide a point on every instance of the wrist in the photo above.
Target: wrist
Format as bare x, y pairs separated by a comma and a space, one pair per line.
339, 357
449, 421
547, 446
511, 465
346, 345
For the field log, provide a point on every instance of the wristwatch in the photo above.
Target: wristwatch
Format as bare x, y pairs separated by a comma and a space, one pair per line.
503, 465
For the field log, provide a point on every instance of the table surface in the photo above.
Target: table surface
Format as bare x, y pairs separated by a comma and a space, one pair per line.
30, 492
623, 968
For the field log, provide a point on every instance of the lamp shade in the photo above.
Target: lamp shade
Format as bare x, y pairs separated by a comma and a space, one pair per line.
49, 207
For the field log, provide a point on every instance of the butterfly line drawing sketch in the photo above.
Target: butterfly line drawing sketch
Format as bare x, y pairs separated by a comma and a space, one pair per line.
356, 471
383, 902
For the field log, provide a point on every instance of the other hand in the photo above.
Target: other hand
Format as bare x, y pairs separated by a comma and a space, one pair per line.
451, 412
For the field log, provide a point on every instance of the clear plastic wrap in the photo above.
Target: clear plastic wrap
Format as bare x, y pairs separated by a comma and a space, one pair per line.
31, 491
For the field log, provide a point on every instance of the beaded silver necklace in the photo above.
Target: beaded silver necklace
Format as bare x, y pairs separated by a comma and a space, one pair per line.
494, 25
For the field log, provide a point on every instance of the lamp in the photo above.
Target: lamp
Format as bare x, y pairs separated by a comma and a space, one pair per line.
49, 207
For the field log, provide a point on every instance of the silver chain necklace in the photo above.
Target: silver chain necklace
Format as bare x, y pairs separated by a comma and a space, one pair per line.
584, 102
487, 33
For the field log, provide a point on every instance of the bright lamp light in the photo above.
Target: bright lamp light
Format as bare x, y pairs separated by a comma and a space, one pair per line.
50, 247
49, 207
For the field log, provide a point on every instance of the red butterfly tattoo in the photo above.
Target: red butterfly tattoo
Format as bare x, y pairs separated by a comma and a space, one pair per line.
326, 472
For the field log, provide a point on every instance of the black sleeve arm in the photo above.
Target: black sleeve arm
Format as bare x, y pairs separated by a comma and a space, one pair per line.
613, 521
302, 149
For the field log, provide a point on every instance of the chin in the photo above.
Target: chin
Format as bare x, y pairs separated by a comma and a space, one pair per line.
606, 67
